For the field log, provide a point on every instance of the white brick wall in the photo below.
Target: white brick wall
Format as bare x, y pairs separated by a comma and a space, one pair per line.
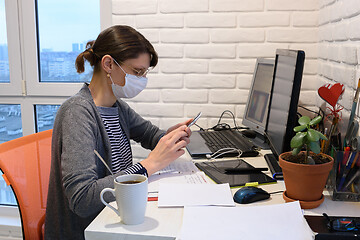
339, 52
208, 50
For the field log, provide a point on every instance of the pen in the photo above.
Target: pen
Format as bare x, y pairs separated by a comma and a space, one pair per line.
244, 170
342, 164
352, 114
355, 171
347, 169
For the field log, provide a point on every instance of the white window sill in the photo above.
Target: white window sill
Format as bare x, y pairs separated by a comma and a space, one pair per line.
10, 223
10, 215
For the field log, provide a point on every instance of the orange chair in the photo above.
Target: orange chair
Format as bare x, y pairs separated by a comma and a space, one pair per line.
25, 163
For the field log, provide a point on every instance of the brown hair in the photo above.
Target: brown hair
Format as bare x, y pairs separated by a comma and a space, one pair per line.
119, 41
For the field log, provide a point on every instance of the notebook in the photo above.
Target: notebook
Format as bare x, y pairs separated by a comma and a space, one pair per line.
204, 144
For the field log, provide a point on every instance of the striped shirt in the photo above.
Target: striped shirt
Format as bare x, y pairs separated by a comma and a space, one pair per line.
120, 145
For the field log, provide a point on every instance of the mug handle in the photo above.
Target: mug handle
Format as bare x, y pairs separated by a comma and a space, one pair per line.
107, 204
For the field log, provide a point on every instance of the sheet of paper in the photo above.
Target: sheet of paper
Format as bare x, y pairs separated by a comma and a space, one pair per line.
179, 195
280, 221
193, 178
179, 167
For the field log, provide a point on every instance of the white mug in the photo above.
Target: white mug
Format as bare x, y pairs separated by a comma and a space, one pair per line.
131, 193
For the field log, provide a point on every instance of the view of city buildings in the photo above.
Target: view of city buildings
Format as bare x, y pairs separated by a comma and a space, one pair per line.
54, 66
4, 64
60, 66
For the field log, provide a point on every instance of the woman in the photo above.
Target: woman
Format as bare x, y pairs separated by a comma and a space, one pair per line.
97, 119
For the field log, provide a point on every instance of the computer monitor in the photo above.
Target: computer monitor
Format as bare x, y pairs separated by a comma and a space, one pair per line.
256, 109
282, 115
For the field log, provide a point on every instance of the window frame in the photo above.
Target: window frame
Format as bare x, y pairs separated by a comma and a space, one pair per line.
14, 52
24, 87
30, 56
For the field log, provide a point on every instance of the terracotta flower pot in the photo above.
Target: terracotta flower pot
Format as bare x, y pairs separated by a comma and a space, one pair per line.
305, 182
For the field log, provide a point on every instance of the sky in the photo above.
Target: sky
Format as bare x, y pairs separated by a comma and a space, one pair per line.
62, 23
2, 23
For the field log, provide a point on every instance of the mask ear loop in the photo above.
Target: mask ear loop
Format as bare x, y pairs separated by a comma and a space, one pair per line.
119, 65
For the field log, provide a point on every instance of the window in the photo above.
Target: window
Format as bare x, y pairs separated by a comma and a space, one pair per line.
10, 122
59, 46
45, 116
38, 56
10, 128
4, 59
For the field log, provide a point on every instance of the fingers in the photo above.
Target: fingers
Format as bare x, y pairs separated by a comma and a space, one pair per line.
178, 134
187, 122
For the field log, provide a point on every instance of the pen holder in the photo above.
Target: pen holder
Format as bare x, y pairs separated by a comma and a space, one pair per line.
343, 183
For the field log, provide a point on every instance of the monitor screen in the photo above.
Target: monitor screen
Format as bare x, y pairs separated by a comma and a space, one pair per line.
259, 95
282, 115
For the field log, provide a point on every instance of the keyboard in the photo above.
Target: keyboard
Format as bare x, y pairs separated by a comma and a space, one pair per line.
217, 140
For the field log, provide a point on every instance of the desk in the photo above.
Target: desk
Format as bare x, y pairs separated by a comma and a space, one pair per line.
165, 223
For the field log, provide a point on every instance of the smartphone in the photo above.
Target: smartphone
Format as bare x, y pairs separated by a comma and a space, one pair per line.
195, 119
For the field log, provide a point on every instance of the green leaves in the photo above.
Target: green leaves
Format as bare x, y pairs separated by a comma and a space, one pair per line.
312, 135
304, 120
299, 128
298, 140
306, 136
315, 147
296, 151
315, 121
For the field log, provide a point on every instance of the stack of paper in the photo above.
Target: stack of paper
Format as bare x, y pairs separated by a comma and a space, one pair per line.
281, 221
179, 171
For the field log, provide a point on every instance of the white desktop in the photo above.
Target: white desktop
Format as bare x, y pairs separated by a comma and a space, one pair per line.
166, 223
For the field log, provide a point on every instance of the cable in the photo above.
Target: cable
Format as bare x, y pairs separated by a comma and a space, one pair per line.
307, 109
219, 153
229, 112
276, 192
201, 129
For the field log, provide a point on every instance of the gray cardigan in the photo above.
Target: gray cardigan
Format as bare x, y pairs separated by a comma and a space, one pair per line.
77, 176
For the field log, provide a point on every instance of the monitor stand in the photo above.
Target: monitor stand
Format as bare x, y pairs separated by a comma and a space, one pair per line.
259, 141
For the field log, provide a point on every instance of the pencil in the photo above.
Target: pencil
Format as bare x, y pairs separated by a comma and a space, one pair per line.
352, 114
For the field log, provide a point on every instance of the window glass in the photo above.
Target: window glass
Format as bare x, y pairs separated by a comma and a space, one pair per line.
7, 196
45, 116
10, 128
4, 59
64, 28
10, 122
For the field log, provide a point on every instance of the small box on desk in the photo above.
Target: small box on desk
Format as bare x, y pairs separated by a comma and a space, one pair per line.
344, 179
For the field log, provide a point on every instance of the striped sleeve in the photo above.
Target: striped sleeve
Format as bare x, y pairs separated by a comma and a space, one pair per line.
136, 169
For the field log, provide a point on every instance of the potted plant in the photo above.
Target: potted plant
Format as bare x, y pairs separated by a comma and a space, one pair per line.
305, 172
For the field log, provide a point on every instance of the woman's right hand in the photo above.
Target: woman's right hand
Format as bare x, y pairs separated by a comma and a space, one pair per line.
169, 148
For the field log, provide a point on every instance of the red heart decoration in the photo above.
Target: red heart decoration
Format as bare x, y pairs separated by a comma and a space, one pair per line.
331, 93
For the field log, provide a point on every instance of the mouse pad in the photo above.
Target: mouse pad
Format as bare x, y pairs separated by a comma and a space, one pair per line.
216, 171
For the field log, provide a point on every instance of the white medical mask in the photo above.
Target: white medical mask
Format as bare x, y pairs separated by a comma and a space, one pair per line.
133, 85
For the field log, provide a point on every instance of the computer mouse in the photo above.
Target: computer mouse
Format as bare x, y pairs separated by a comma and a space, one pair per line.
250, 194
248, 133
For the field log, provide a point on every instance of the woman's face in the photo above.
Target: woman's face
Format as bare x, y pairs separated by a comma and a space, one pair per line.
131, 66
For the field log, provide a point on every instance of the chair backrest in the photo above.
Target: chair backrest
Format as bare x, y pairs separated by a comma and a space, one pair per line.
25, 163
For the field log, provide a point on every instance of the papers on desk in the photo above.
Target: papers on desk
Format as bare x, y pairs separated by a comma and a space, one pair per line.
179, 195
280, 221
179, 171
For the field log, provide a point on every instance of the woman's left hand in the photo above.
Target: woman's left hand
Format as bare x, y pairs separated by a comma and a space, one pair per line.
186, 130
